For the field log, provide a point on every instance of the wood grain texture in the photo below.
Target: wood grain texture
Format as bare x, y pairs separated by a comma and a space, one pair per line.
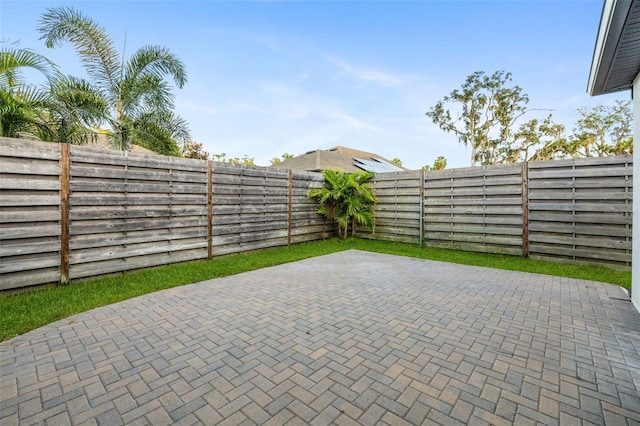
398, 208
479, 208
65, 164
30, 213
581, 210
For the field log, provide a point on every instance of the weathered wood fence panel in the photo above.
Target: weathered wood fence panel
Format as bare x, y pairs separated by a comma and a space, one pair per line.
581, 210
30, 222
69, 212
398, 209
250, 208
73, 212
306, 224
132, 211
475, 209
563, 210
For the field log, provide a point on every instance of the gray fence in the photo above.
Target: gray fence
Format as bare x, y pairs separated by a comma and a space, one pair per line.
581, 210
30, 213
477, 208
563, 210
69, 212
398, 209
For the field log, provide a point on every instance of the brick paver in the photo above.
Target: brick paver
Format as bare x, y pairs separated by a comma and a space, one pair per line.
347, 338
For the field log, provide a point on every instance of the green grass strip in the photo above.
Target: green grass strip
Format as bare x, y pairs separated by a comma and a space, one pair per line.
26, 311
500, 261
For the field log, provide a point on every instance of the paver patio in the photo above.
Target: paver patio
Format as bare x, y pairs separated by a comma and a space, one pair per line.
347, 338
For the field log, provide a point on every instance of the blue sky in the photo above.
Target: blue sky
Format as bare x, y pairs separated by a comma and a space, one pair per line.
268, 77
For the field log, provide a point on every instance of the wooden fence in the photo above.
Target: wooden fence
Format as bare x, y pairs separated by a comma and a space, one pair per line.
68, 212
30, 213
134, 211
259, 207
475, 208
563, 210
398, 209
581, 210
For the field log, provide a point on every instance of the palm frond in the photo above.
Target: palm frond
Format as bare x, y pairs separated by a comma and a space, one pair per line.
91, 42
21, 111
155, 61
13, 60
79, 101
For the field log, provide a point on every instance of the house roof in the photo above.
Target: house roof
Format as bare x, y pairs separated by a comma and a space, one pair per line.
616, 57
340, 158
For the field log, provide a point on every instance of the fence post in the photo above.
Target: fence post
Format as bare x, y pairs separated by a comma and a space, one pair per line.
525, 209
65, 171
209, 209
421, 209
289, 207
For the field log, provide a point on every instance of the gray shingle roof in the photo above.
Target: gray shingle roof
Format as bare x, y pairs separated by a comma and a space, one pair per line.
339, 158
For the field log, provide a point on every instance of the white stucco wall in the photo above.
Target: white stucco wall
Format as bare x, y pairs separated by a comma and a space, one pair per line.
635, 279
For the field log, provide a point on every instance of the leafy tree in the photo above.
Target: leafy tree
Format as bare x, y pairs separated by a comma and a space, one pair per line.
245, 160
540, 140
601, 130
397, 161
346, 198
604, 130
529, 139
140, 101
283, 157
624, 147
488, 112
439, 163
192, 149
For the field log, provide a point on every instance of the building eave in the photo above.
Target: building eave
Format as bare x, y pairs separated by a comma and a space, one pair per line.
605, 75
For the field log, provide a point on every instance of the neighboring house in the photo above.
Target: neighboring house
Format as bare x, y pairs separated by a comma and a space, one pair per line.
340, 158
616, 67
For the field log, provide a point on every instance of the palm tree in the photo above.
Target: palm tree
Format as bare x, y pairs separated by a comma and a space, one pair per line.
139, 98
346, 198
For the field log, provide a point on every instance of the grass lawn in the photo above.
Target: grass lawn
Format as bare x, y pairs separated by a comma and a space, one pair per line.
27, 311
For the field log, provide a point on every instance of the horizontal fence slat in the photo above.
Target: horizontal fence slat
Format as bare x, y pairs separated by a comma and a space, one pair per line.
28, 150
45, 183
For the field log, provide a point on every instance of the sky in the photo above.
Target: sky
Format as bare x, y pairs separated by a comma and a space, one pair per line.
269, 77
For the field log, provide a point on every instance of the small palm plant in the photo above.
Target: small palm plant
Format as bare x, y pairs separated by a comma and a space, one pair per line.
347, 199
